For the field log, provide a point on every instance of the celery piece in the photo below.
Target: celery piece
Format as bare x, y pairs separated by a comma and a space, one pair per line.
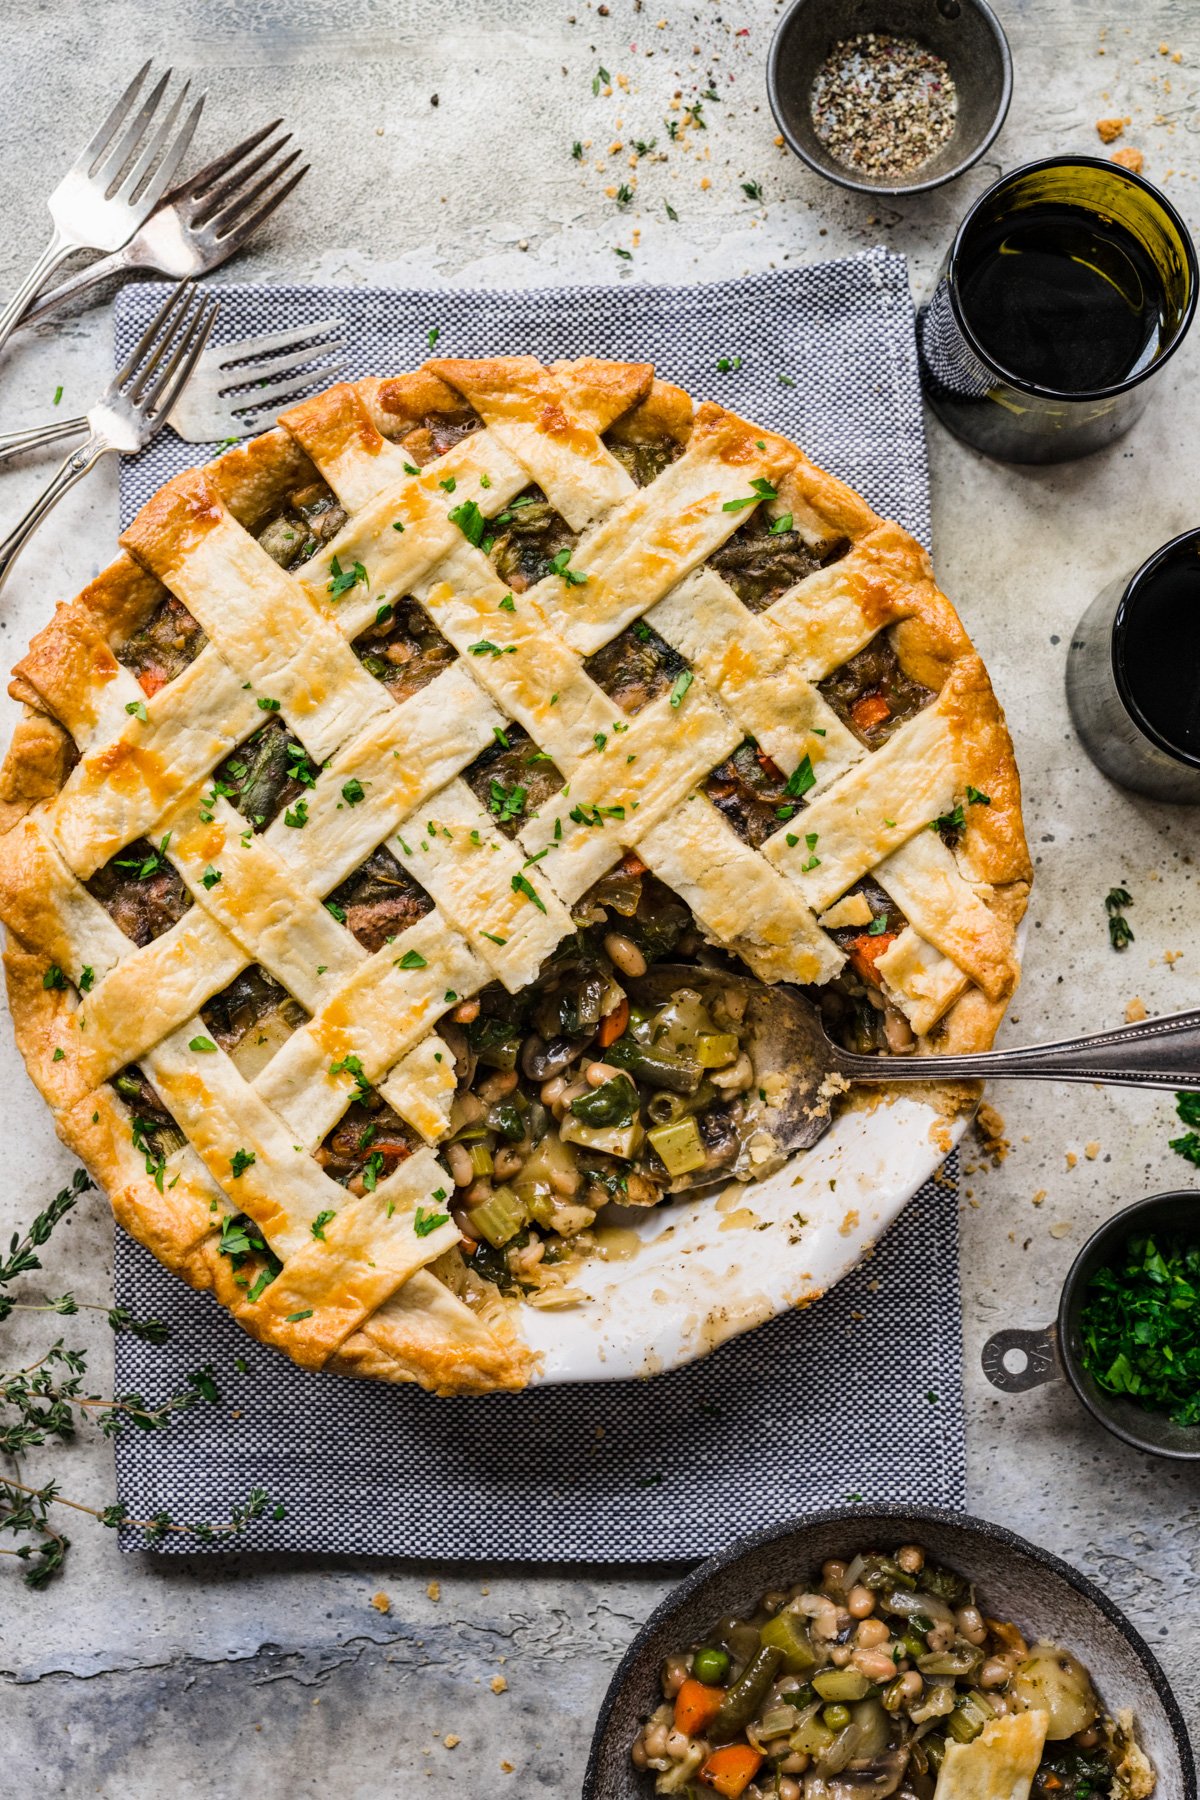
717, 1049
680, 1146
499, 1218
968, 1720
811, 1738
841, 1684
777, 1721
481, 1159
539, 1202
618, 1140
786, 1631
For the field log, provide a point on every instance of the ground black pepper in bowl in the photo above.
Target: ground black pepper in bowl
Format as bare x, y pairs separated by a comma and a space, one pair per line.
883, 105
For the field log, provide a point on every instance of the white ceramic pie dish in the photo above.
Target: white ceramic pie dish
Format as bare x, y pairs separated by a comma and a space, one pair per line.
711, 1267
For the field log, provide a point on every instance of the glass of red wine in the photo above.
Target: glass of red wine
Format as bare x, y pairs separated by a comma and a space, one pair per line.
1133, 676
1069, 284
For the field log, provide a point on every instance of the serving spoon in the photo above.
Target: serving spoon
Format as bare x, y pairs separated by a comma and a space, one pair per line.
802, 1071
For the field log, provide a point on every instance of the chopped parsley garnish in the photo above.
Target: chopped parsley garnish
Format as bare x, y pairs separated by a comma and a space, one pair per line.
485, 647
242, 1160
146, 866
138, 709
202, 1044
782, 523
1139, 1327
338, 912
577, 150
522, 885
976, 796
434, 334
786, 381
506, 803
493, 939
948, 825
625, 255
470, 521
383, 613
54, 977
1188, 1146
372, 1170
87, 979
295, 1318
297, 816
763, 490
680, 686
725, 364
268, 705
878, 926
352, 1065
752, 190
800, 780
353, 791
671, 213
58, 394
624, 194
425, 1220
412, 959
558, 566
398, 524
1120, 933
210, 877
508, 604
600, 79
321, 1221
342, 580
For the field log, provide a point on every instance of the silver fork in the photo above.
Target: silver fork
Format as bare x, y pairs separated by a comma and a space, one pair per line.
134, 404
101, 200
212, 408
197, 225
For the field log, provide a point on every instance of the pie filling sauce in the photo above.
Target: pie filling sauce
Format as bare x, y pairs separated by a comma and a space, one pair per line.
882, 1675
572, 1096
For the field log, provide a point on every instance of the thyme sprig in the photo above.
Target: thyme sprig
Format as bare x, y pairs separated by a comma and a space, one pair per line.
45, 1401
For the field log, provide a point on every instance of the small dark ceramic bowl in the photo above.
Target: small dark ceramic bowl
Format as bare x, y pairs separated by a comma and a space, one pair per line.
1057, 1349
1043, 1596
965, 33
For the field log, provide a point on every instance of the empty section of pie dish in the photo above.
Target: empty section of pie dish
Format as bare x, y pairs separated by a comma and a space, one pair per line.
374, 720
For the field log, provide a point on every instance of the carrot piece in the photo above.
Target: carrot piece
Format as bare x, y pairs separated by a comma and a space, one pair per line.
872, 709
150, 680
632, 864
613, 1024
769, 766
731, 1769
865, 952
696, 1706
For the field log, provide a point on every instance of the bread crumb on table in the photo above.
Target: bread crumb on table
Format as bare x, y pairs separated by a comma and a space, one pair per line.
1092, 1150
1109, 129
381, 1603
1072, 1159
989, 1129
434, 1590
1061, 1228
498, 1684
1135, 1011
1038, 1197
451, 1742
1129, 158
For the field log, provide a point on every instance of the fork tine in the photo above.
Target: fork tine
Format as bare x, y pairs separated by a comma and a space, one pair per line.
297, 382
226, 355
171, 150
198, 184
169, 339
112, 165
148, 337
255, 380
234, 220
231, 187
112, 124
171, 381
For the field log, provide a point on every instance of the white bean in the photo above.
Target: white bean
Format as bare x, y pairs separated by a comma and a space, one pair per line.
624, 954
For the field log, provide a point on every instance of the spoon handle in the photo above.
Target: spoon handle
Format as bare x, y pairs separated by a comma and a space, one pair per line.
1157, 1053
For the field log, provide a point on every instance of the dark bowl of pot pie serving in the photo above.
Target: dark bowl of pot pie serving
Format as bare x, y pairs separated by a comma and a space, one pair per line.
873, 1652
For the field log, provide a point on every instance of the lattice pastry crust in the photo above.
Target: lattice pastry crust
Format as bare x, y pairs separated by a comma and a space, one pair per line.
101, 760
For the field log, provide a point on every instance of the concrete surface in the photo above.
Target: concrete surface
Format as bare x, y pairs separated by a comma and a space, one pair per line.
132, 1677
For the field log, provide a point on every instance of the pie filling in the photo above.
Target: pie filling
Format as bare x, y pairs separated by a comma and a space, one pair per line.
574, 1095
883, 1675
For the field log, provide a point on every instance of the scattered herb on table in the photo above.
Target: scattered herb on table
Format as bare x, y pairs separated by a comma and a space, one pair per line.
1140, 1326
1120, 932
44, 1401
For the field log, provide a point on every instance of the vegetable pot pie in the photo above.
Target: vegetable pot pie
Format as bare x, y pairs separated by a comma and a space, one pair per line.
353, 798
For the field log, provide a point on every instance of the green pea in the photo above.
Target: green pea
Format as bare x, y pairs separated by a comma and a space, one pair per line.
836, 1717
710, 1666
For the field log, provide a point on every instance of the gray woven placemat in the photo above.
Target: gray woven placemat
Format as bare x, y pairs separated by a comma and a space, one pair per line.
811, 1409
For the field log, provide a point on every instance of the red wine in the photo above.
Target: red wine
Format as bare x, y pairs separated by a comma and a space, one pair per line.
1157, 642
1063, 297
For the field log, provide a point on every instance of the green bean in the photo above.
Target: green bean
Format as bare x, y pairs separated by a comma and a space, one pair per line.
660, 1068
746, 1695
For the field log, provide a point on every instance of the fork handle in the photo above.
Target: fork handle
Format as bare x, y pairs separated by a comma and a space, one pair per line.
1157, 1053
127, 257
56, 252
72, 470
15, 443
